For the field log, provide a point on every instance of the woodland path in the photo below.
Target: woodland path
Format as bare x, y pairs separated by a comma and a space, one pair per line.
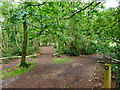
77, 73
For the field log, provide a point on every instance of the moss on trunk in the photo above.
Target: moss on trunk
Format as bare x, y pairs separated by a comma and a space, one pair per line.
24, 46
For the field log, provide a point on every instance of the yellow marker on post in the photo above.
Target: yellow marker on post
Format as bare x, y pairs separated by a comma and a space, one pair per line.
107, 76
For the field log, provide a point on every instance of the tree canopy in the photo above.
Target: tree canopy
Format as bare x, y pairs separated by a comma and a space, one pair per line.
75, 28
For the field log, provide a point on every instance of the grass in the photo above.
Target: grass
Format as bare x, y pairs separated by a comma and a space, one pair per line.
101, 69
59, 60
16, 71
66, 87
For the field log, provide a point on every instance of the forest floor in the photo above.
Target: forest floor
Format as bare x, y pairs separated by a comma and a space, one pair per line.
82, 72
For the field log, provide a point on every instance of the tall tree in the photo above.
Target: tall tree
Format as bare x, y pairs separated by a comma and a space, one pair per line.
24, 46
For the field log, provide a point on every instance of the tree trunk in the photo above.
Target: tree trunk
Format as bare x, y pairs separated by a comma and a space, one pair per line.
24, 46
0, 41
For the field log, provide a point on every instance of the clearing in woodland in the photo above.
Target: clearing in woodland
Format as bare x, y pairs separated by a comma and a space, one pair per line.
77, 73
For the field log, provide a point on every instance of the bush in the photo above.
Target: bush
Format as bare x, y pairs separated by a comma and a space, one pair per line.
17, 51
13, 51
78, 48
73, 51
91, 49
31, 50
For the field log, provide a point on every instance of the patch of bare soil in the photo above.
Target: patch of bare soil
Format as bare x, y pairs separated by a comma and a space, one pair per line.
78, 73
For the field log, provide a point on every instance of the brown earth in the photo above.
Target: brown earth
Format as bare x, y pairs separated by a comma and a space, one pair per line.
78, 73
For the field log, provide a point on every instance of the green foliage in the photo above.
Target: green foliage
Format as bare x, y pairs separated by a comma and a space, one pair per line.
82, 47
16, 51
70, 51
79, 29
31, 50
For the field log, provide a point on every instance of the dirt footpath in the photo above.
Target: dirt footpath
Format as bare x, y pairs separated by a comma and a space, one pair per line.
77, 73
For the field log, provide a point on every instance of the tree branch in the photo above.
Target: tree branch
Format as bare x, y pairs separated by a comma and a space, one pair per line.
34, 26
94, 7
42, 29
79, 10
113, 25
37, 5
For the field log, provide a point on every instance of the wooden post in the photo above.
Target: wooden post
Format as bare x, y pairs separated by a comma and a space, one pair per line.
107, 76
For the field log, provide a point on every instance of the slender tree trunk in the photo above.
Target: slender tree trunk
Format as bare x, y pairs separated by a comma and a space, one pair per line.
87, 44
0, 41
24, 46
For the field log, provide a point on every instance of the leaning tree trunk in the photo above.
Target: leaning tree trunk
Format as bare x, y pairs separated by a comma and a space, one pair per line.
24, 46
